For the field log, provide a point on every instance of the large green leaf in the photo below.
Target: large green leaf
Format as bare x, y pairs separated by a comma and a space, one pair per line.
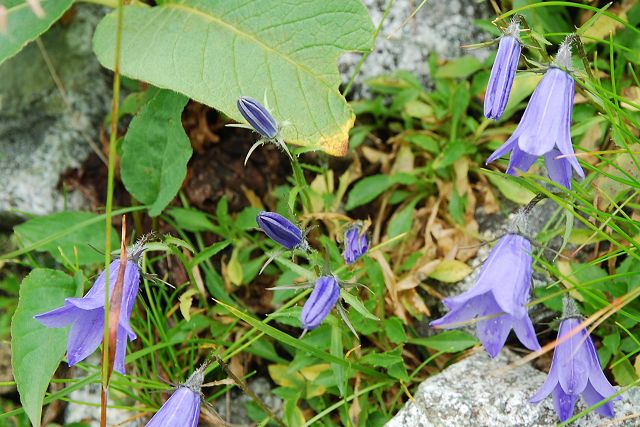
37, 350
156, 150
24, 26
83, 242
217, 51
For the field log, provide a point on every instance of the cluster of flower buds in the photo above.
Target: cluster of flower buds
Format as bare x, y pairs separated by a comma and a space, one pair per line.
544, 129
326, 289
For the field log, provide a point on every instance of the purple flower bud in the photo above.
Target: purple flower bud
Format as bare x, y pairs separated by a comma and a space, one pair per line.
183, 407
500, 296
258, 117
545, 126
324, 296
502, 74
86, 316
281, 230
355, 244
575, 370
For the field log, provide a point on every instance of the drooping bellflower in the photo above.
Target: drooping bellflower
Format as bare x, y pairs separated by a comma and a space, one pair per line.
183, 407
86, 315
503, 72
356, 244
281, 230
545, 125
260, 120
323, 298
575, 370
499, 298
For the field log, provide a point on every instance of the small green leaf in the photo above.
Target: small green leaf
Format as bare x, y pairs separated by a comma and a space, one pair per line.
37, 350
452, 152
448, 341
368, 189
354, 302
612, 341
382, 360
427, 143
394, 329
402, 220
85, 241
209, 252
451, 271
191, 219
460, 68
155, 151
391, 360
186, 301
23, 25
234, 268
246, 219
624, 373
337, 351
511, 188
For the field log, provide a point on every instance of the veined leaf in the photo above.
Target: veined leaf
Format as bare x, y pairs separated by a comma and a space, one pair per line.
23, 25
155, 151
35, 349
215, 52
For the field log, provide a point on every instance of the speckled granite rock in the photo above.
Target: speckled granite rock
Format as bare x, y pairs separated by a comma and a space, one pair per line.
481, 392
440, 26
41, 135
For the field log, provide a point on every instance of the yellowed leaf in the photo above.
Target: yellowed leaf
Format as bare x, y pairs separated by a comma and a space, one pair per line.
451, 271
186, 300
234, 268
281, 375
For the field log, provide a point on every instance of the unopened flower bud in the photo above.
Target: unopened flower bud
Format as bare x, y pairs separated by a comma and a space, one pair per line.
258, 117
280, 229
324, 296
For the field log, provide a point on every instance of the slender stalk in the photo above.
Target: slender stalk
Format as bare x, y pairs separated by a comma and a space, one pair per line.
108, 213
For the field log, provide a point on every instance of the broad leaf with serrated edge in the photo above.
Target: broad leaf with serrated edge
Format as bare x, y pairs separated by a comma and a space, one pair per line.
35, 349
215, 52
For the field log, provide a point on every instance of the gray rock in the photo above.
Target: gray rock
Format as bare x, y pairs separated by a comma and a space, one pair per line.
440, 27
479, 391
85, 407
43, 133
